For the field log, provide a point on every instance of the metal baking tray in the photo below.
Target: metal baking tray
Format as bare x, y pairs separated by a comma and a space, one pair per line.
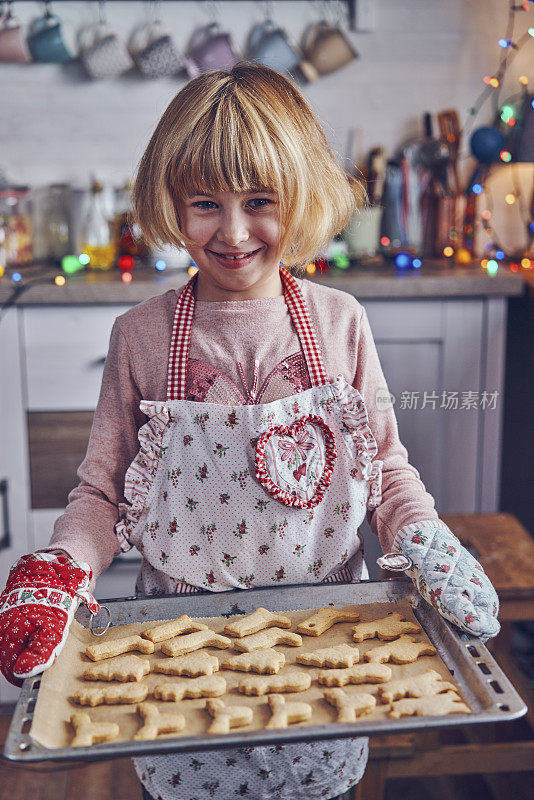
486, 688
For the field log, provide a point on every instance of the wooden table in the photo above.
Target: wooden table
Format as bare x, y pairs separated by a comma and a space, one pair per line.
506, 551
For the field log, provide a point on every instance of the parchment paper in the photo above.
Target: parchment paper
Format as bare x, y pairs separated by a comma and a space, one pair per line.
51, 721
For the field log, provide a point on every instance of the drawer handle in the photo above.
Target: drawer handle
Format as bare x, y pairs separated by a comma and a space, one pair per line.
98, 362
5, 541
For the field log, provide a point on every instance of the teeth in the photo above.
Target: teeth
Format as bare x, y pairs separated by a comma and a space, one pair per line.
234, 258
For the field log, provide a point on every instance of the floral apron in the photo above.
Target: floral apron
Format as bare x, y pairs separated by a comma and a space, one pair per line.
223, 497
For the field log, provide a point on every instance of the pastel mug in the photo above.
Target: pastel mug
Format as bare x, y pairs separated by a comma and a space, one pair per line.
49, 42
271, 45
103, 53
13, 44
154, 51
326, 49
210, 48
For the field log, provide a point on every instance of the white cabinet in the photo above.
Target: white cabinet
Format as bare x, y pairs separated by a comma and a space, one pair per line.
51, 360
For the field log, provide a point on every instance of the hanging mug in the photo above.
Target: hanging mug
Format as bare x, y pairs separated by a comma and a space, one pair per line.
210, 49
271, 45
154, 51
47, 40
13, 44
326, 49
102, 53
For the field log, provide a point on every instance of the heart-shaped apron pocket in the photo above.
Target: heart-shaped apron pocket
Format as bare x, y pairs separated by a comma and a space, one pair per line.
294, 463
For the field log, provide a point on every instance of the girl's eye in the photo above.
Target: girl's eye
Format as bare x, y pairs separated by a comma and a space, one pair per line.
202, 203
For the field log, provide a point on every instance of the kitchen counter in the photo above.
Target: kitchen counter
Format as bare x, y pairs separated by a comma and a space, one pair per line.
434, 279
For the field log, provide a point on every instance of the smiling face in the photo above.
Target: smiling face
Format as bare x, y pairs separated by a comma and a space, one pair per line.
234, 223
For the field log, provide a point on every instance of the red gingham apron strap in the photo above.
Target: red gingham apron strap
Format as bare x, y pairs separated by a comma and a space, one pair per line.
298, 311
181, 336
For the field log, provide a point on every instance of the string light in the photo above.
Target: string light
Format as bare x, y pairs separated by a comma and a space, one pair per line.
2, 271
60, 280
385, 241
16, 277
84, 259
126, 277
448, 251
160, 265
510, 199
310, 269
492, 267
192, 270
505, 156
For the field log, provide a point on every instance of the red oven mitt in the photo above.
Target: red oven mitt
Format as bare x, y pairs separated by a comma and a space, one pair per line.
36, 608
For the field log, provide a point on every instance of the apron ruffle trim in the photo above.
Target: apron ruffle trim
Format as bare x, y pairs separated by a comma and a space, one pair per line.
141, 472
356, 421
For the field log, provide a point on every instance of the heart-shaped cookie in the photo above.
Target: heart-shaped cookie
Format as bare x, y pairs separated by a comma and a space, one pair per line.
294, 463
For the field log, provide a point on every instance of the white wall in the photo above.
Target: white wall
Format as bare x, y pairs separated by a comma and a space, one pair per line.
425, 55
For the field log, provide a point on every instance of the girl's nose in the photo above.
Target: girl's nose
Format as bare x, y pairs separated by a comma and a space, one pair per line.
233, 229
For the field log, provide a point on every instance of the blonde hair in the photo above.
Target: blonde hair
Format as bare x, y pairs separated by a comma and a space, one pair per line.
238, 130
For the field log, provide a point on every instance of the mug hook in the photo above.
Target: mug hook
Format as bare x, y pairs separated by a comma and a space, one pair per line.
155, 6
212, 10
268, 8
102, 18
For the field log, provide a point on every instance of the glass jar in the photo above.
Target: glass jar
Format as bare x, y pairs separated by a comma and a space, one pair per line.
16, 225
56, 221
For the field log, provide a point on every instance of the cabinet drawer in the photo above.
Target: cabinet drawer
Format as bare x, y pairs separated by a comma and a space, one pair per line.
65, 353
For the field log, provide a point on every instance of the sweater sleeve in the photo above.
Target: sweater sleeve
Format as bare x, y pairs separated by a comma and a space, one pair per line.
404, 497
86, 528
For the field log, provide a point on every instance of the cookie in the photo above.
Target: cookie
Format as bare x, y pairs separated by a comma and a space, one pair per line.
172, 628
121, 668
386, 628
266, 662
438, 704
111, 695
194, 641
402, 651
116, 647
156, 723
268, 638
193, 665
429, 683
342, 655
349, 707
295, 681
323, 619
205, 686
257, 621
226, 717
88, 732
286, 713
359, 673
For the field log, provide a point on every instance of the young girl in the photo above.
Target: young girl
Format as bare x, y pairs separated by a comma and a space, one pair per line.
236, 442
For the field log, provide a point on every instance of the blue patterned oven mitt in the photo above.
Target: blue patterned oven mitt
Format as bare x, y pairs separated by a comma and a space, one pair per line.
449, 577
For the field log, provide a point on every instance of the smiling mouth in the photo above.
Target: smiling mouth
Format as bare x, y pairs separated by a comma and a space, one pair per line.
231, 257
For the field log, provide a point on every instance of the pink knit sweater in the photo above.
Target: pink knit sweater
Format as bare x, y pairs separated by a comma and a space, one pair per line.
225, 333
